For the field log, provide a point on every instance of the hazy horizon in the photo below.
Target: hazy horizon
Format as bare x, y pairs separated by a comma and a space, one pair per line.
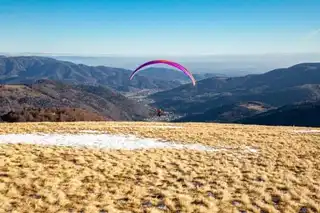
223, 64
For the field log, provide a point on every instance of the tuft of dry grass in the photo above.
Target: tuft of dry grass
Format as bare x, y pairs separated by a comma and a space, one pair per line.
284, 176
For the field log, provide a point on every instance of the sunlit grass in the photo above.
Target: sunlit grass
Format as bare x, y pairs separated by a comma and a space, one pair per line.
283, 176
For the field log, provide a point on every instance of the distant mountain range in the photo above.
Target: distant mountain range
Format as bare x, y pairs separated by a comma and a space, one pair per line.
27, 69
246, 99
51, 94
269, 98
276, 88
232, 65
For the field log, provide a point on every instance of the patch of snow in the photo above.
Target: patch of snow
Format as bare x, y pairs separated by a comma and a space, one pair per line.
307, 131
250, 149
102, 141
123, 126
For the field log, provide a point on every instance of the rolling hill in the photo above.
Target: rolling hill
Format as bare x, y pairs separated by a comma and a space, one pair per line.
51, 94
215, 98
52, 115
276, 88
300, 114
227, 113
27, 69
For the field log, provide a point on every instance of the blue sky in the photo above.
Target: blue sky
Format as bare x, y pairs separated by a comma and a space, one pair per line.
163, 27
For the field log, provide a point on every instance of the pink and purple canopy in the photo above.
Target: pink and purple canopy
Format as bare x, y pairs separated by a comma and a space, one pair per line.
171, 63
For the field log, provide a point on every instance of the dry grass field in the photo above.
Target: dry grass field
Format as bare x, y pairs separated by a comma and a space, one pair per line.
283, 175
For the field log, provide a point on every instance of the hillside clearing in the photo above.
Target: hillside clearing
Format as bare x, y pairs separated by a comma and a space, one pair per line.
256, 168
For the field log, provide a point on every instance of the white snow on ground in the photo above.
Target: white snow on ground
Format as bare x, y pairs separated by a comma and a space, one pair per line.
152, 126
250, 149
103, 141
122, 126
307, 131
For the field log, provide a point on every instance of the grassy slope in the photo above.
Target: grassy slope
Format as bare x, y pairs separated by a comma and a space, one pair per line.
283, 176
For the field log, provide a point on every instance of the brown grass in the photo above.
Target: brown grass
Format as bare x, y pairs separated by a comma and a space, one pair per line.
284, 176
53, 114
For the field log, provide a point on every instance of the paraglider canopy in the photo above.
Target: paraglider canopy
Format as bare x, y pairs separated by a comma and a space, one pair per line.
171, 63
